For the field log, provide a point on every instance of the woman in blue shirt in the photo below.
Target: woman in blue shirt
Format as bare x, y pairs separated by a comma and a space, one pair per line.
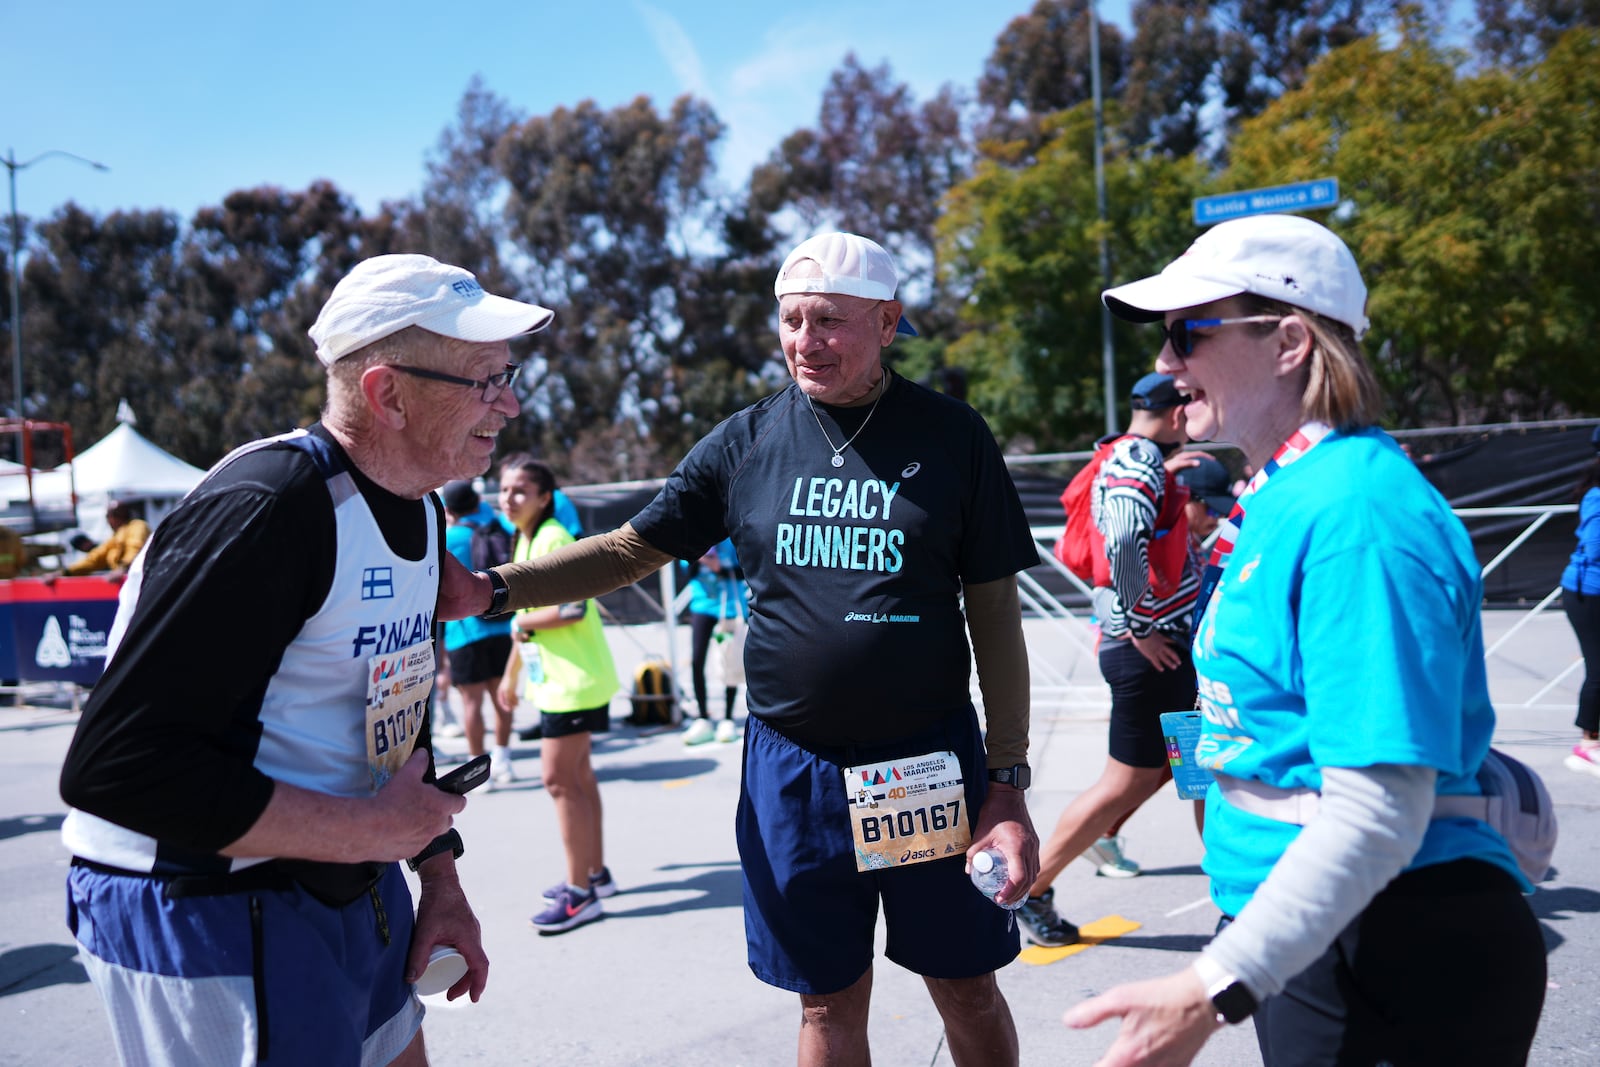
1580, 592
716, 601
1342, 688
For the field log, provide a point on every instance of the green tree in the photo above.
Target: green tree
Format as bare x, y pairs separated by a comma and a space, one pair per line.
1170, 63
93, 289
878, 164
458, 218
1513, 33
609, 210
1040, 65
1020, 251
1473, 207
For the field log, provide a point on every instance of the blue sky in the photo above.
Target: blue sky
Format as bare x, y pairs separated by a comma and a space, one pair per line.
188, 101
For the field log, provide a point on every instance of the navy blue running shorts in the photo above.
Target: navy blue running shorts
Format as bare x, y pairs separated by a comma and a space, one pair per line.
271, 975
809, 915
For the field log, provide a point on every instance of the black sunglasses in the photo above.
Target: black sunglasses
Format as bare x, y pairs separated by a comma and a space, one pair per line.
493, 386
1183, 341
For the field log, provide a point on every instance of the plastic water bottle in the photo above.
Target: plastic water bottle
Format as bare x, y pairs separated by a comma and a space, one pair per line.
989, 875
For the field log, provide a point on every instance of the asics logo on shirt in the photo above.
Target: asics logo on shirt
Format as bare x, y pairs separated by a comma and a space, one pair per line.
911, 470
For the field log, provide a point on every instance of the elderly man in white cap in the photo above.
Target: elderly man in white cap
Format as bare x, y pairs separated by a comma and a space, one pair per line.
256, 759
867, 509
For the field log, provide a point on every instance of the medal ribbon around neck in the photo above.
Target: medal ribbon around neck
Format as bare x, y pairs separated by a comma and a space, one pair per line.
1299, 443
838, 453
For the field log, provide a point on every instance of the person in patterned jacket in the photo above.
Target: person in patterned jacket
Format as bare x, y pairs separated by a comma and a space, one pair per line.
1144, 642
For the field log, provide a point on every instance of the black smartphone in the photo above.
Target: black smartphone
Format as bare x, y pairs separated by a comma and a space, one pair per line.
467, 777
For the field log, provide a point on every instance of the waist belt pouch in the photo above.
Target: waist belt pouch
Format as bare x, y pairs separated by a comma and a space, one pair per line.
334, 884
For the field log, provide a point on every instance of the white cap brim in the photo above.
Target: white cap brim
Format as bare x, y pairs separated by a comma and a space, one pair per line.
491, 318
1148, 299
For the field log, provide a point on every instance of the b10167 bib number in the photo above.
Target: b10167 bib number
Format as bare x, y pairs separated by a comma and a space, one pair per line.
907, 811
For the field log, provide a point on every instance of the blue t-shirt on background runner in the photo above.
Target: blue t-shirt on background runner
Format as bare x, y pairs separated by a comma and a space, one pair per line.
855, 572
1346, 633
459, 633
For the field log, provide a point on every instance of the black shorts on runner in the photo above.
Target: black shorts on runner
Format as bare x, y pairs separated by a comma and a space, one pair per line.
482, 661
563, 723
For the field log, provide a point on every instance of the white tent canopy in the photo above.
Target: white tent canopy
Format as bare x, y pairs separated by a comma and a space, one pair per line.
122, 465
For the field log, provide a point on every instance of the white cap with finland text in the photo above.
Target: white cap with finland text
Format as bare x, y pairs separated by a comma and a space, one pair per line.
385, 294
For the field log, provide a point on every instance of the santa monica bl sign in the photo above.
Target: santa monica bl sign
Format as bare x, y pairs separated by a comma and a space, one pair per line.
1300, 196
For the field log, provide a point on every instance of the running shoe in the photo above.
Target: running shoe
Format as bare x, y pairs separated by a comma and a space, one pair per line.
699, 732
1585, 759
450, 729
726, 731
570, 908
601, 885
1106, 855
501, 772
1041, 923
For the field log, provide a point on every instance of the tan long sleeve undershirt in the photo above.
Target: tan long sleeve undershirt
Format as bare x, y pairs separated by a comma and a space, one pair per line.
994, 619
595, 565
588, 567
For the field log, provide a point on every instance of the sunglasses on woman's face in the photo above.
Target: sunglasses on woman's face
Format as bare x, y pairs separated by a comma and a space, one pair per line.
1183, 341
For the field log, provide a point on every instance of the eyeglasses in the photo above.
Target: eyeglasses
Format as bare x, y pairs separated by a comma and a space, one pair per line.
493, 386
1183, 341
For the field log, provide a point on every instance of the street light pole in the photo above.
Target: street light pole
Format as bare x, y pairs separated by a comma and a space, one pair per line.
1108, 363
12, 166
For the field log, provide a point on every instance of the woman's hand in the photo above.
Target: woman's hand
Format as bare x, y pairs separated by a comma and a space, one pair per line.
1165, 1021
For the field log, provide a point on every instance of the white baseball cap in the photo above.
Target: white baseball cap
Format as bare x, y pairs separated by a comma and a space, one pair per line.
1281, 257
385, 294
851, 265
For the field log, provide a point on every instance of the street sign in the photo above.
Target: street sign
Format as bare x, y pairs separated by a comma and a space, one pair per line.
1300, 196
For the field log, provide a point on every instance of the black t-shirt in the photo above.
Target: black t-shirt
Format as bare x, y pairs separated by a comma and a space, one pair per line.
856, 632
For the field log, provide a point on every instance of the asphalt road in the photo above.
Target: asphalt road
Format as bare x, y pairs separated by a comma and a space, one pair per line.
662, 979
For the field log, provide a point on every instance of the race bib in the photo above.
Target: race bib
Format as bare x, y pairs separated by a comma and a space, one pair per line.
397, 699
532, 663
907, 810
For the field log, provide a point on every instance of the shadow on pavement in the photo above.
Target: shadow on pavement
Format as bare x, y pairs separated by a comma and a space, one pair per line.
722, 888
40, 966
17, 825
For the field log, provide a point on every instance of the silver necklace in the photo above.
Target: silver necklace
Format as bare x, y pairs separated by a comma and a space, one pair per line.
838, 457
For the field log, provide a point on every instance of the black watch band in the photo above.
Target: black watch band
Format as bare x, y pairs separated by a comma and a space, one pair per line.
499, 593
1234, 1002
1017, 776
449, 841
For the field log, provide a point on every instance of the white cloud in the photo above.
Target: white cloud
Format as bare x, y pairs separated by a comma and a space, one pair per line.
678, 50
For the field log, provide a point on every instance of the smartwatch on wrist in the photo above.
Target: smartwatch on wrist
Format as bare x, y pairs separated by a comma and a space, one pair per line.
1232, 999
449, 841
1017, 776
499, 593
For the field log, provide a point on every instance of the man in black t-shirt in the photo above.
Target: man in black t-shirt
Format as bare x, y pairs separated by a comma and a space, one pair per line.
878, 528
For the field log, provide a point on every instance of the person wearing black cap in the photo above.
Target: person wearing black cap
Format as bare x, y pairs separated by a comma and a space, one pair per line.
1210, 495
1580, 593
1143, 604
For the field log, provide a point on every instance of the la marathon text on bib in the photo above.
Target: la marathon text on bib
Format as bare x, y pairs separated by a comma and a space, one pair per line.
907, 810
397, 698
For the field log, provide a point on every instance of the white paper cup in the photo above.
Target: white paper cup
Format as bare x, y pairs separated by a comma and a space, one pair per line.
445, 968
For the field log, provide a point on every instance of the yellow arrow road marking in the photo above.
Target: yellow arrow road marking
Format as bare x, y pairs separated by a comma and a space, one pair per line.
1089, 935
